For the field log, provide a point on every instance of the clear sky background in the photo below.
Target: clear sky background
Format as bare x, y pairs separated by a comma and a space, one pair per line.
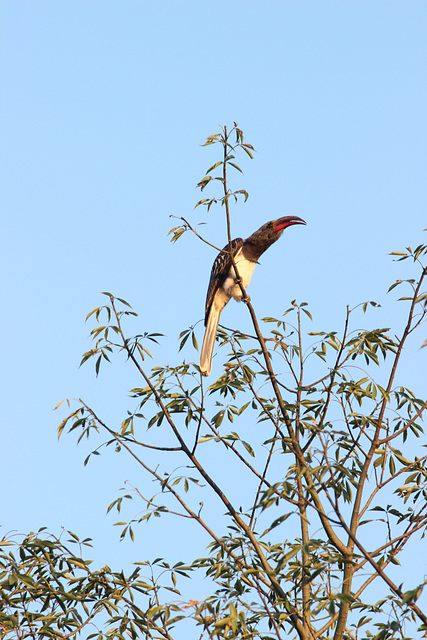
104, 109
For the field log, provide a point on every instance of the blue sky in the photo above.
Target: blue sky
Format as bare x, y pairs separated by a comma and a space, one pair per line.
104, 109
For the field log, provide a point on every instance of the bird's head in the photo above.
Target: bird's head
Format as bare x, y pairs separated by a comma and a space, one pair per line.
271, 231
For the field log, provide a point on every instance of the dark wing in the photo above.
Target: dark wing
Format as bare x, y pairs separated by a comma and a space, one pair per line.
220, 269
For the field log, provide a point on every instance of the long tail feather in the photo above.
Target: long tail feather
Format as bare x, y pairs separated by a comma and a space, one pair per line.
209, 341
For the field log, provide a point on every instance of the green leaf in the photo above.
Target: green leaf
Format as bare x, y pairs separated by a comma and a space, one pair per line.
248, 448
214, 166
195, 345
307, 313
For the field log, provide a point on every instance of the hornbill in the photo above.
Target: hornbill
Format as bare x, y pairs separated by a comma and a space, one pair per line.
224, 284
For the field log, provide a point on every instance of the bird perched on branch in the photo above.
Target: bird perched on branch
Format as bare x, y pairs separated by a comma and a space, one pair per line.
224, 284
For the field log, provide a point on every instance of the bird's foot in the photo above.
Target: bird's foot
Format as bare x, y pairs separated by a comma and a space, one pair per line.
246, 299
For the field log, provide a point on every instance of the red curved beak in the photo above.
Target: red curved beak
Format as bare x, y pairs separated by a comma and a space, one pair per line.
287, 221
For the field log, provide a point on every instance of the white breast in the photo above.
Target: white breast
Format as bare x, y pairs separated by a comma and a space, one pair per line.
245, 269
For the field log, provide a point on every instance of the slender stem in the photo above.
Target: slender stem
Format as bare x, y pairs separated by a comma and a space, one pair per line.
404, 428
331, 384
381, 573
376, 439
292, 442
270, 454
302, 503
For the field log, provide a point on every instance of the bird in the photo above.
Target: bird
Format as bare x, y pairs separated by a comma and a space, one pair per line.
223, 283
